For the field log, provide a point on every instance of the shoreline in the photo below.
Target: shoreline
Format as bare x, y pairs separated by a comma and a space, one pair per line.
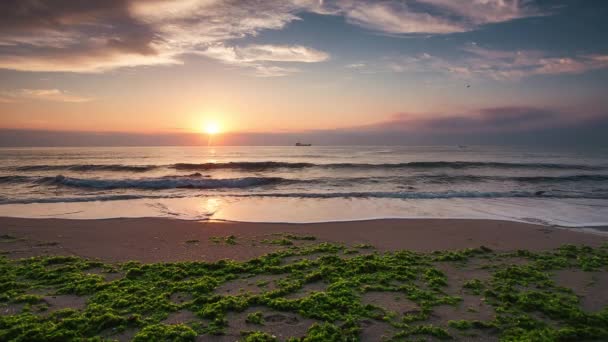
570, 213
602, 228
166, 240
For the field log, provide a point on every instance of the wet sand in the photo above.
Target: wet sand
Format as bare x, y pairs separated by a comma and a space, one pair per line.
166, 240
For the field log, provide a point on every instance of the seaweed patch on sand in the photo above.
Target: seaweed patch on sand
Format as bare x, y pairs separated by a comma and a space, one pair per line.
338, 295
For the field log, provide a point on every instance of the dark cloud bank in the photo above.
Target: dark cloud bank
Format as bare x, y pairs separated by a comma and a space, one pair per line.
490, 126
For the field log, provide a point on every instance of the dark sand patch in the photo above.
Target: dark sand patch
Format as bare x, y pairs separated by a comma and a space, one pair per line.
373, 330
180, 297
283, 325
58, 302
41, 291
471, 307
459, 274
254, 285
23, 247
11, 309
113, 334
181, 316
395, 302
591, 287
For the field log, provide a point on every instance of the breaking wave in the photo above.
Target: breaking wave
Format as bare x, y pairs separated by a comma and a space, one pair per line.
160, 183
329, 195
198, 180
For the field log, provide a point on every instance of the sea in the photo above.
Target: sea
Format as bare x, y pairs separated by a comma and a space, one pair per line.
563, 187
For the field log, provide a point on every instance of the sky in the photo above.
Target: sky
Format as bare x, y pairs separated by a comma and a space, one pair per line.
153, 72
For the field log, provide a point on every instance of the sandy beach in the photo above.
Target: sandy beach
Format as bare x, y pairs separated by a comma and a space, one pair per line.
165, 240
163, 279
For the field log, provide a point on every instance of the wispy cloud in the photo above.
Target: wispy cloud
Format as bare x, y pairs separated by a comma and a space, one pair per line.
258, 56
429, 16
355, 65
497, 64
398, 18
100, 35
479, 12
54, 95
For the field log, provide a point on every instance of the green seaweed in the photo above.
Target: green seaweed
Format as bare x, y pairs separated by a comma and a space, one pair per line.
227, 240
527, 302
255, 318
278, 242
300, 237
258, 336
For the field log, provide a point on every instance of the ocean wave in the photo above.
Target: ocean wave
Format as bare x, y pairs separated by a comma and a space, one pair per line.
87, 167
266, 165
15, 179
198, 180
100, 198
330, 195
573, 178
160, 183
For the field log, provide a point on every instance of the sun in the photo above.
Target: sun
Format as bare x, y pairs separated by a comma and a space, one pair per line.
211, 128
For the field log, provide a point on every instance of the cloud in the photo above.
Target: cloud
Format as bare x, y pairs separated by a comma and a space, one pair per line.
100, 35
54, 95
488, 124
257, 56
90, 61
506, 125
429, 16
494, 119
355, 65
71, 35
498, 64
479, 12
280, 53
273, 71
398, 18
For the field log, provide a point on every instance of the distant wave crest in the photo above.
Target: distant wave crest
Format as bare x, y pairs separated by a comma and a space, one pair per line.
160, 183
87, 167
